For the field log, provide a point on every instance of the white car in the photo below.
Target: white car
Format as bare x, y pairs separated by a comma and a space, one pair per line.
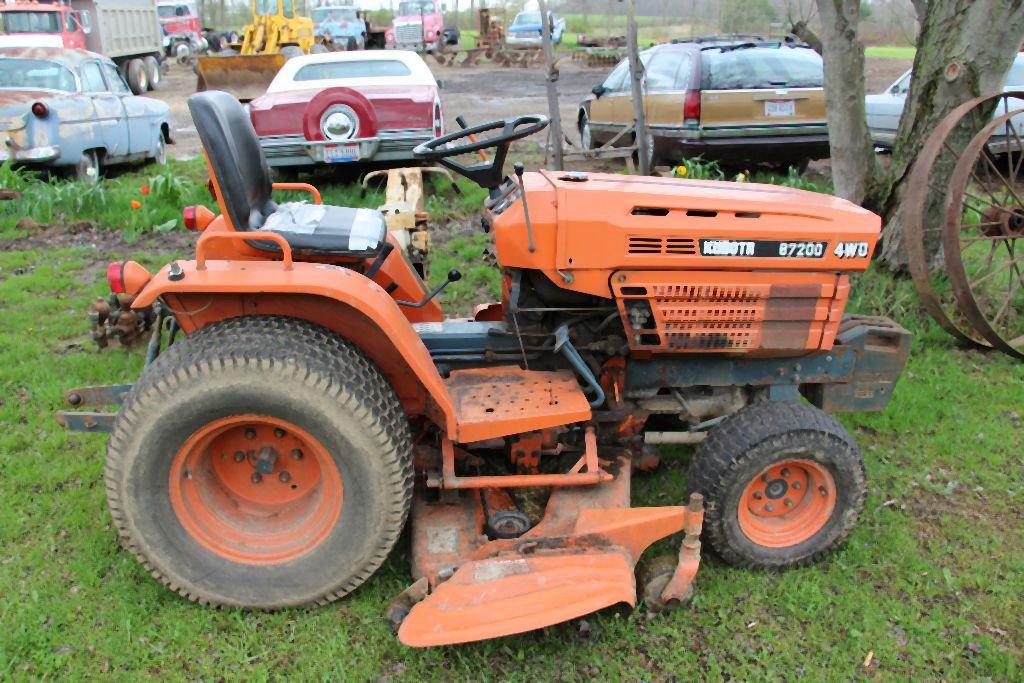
885, 109
362, 107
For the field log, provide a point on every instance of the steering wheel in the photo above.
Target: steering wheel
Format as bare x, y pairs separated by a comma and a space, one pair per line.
490, 172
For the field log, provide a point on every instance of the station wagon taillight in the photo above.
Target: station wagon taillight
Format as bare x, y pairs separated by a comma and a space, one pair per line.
40, 109
691, 108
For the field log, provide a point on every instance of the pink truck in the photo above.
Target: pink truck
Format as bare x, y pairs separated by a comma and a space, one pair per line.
419, 25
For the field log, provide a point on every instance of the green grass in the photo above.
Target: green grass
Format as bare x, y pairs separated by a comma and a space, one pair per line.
930, 582
890, 51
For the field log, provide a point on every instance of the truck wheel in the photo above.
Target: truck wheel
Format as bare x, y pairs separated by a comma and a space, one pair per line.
262, 462
783, 485
152, 71
137, 79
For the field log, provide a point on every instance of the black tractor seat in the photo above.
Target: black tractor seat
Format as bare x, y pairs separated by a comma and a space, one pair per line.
243, 176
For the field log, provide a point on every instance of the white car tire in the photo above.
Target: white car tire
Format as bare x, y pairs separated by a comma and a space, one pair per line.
160, 157
87, 169
152, 71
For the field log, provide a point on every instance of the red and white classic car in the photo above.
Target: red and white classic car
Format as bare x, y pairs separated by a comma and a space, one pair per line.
348, 107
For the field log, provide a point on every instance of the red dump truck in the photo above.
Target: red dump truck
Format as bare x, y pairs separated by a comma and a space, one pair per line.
126, 31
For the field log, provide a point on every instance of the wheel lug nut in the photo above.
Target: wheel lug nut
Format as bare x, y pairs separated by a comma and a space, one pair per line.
788, 502
297, 453
769, 507
239, 456
822, 490
284, 476
757, 495
785, 472
250, 433
257, 477
188, 473
796, 485
764, 477
279, 433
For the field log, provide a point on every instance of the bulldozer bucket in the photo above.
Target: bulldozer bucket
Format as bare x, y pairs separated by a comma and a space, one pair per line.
244, 76
506, 595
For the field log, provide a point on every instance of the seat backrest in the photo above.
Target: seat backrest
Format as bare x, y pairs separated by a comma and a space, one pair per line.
234, 152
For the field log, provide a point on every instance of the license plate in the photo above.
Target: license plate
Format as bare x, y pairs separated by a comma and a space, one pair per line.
338, 154
779, 108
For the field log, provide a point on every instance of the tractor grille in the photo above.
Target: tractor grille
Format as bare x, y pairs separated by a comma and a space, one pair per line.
770, 313
661, 245
409, 33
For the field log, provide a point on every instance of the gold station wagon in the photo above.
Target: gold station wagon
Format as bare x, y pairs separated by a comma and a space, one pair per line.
739, 102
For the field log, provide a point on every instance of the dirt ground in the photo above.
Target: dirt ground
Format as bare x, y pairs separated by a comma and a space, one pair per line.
480, 94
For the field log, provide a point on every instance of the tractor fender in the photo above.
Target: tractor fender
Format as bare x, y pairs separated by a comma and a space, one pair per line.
337, 298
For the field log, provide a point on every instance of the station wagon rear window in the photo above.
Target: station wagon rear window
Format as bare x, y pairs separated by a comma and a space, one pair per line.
374, 68
760, 68
31, 22
32, 74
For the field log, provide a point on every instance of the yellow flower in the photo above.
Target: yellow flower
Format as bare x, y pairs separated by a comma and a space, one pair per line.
680, 170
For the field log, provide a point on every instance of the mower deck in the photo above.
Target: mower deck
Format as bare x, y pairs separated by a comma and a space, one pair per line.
579, 559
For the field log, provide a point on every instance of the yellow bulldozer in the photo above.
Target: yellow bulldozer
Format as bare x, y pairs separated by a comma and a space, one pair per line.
277, 29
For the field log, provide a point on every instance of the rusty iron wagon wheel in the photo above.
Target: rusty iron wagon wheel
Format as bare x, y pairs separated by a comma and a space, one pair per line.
930, 185
783, 483
261, 462
983, 233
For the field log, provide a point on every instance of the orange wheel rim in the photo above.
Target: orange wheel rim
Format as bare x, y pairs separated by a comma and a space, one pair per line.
255, 489
787, 503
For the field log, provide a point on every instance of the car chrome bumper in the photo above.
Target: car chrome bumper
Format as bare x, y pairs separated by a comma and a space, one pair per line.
513, 39
36, 154
296, 150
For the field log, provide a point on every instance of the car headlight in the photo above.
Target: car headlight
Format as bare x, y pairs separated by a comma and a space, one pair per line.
339, 123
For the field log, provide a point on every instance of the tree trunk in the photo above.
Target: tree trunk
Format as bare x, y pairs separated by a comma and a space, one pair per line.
853, 160
964, 49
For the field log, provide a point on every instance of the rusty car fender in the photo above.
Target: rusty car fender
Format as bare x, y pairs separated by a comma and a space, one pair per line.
337, 298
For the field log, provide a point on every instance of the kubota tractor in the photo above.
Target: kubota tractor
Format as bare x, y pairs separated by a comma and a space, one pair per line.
318, 397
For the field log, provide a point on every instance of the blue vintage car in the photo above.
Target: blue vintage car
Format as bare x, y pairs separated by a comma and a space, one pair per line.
340, 25
71, 109
526, 28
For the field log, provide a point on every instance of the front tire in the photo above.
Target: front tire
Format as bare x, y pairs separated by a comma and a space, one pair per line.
262, 462
783, 484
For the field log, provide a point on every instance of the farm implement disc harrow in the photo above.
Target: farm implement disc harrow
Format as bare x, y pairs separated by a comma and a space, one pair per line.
968, 267
522, 58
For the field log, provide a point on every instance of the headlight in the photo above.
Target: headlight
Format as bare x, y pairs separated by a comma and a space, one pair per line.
339, 123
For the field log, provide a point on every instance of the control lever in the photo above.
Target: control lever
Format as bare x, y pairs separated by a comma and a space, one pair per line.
518, 168
461, 120
453, 276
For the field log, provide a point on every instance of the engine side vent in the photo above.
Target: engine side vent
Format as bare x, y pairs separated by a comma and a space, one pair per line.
674, 246
702, 312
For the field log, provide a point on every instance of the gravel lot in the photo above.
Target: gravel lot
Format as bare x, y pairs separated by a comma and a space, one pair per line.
480, 94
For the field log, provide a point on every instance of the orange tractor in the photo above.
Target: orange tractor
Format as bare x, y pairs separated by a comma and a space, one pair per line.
319, 398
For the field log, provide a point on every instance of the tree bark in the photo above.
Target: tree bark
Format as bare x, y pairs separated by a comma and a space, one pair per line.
852, 154
964, 50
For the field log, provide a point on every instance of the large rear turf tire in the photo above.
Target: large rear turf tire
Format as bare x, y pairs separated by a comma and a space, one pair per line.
783, 484
262, 462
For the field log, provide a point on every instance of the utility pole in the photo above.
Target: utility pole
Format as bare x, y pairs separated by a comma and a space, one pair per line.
637, 76
551, 76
